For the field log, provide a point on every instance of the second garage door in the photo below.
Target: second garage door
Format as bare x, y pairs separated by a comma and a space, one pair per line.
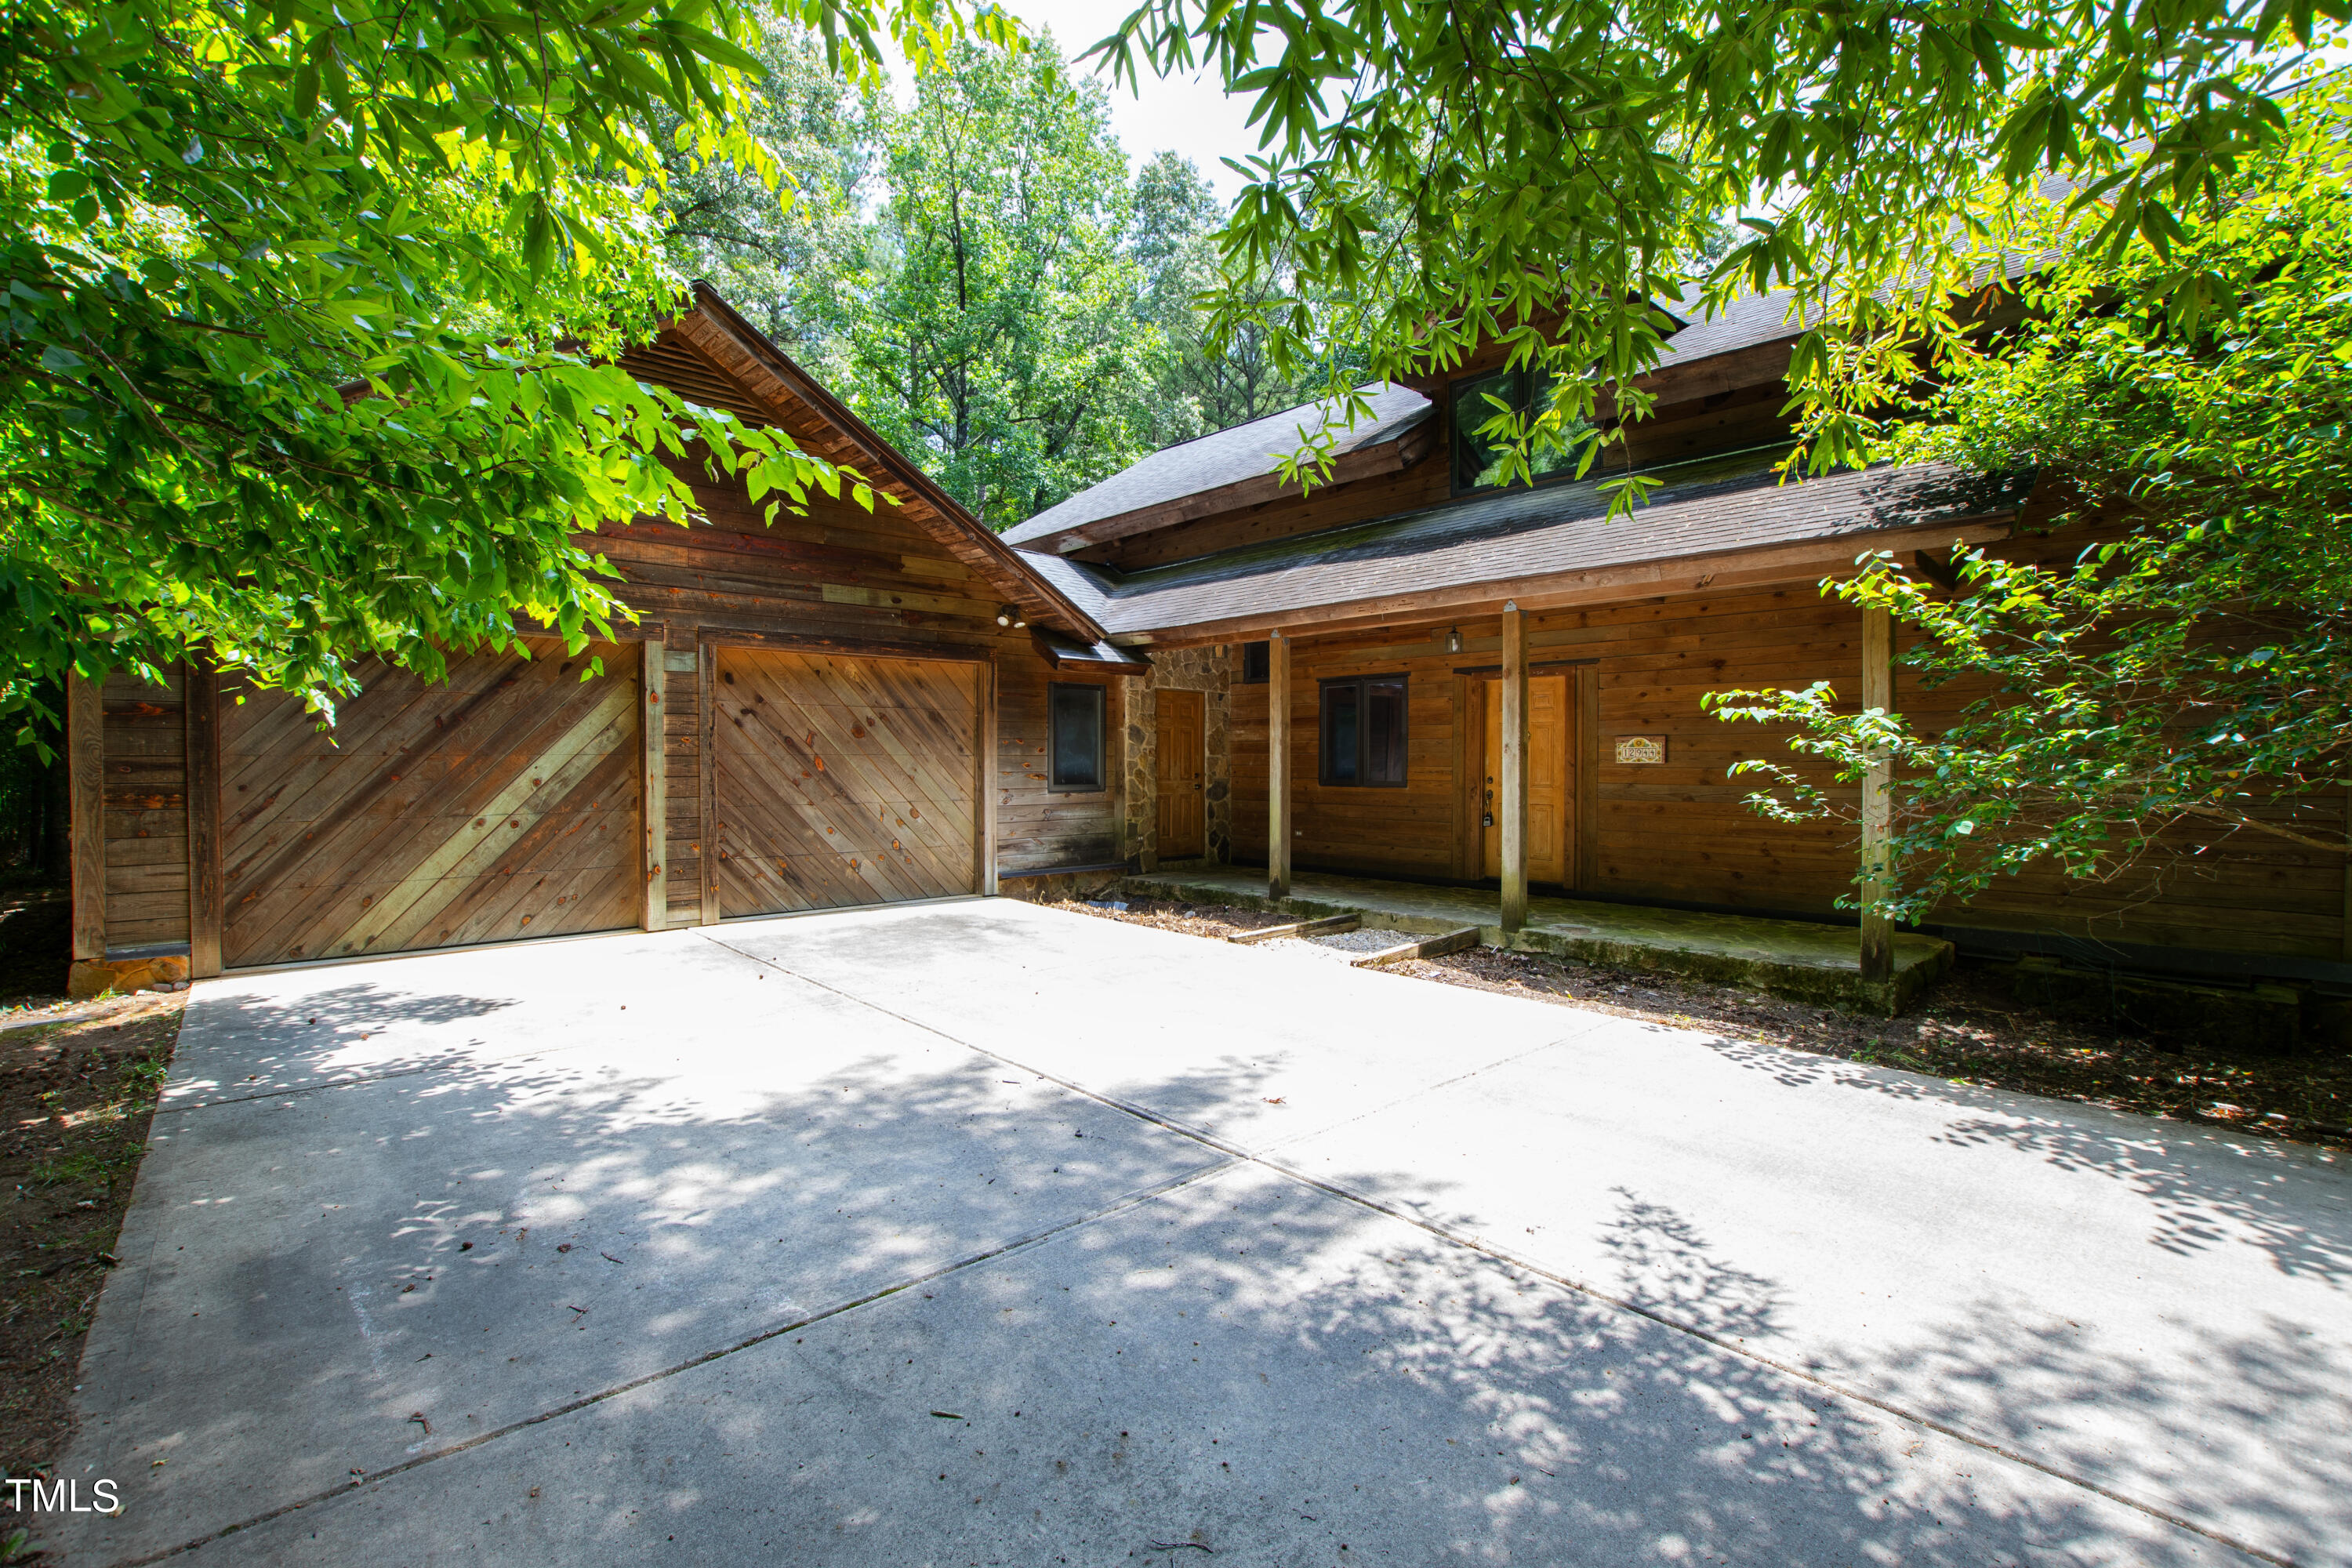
500, 804
841, 782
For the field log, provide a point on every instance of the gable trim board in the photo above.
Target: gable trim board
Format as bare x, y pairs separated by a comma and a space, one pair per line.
825, 426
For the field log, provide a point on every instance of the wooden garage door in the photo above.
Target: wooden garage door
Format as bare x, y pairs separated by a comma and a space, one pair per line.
500, 804
841, 780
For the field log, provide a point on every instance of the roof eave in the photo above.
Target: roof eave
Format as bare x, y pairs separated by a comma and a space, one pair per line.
1399, 451
1754, 565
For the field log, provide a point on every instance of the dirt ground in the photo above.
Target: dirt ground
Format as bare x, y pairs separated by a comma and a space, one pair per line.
75, 1100
1969, 1030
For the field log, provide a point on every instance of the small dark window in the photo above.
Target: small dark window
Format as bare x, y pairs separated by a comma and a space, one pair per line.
1477, 462
1254, 664
1077, 740
1362, 732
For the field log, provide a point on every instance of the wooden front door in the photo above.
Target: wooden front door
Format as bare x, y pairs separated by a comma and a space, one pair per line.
501, 803
1550, 785
1183, 753
840, 782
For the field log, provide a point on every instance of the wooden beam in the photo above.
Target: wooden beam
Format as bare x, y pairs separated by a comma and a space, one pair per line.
85, 771
1587, 755
706, 692
1298, 927
1717, 573
1936, 565
1469, 768
1429, 947
1877, 798
201, 711
653, 794
1277, 766
1511, 789
983, 764
850, 647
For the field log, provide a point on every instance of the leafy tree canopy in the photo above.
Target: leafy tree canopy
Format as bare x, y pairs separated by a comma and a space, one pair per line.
2193, 668
310, 310
1539, 171
989, 324
974, 270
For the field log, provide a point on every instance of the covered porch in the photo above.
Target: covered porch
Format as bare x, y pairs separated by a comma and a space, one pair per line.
1801, 960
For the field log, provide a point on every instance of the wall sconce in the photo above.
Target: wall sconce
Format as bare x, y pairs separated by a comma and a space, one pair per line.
1010, 615
1454, 640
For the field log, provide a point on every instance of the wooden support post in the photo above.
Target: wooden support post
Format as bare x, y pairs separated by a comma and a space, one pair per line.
652, 740
1512, 787
1877, 798
706, 666
1588, 778
1277, 766
984, 764
201, 698
1328, 925
86, 779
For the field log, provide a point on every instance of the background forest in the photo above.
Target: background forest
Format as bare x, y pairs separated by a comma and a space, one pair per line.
975, 270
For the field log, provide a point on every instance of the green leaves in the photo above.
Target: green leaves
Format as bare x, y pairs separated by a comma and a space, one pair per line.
2180, 671
986, 320
311, 313
1549, 166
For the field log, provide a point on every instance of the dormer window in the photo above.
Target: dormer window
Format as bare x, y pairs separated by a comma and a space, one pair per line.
1477, 463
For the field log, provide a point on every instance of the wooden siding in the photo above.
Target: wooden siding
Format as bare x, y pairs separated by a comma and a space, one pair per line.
1036, 827
840, 579
501, 803
1681, 832
145, 802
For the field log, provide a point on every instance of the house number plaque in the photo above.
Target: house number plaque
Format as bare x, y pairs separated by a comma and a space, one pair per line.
1640, 748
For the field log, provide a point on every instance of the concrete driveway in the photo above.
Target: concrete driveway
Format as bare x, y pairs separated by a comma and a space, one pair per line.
977, 1232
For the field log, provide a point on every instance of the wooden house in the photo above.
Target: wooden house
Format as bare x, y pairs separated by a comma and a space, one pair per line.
1412, 674
846, 707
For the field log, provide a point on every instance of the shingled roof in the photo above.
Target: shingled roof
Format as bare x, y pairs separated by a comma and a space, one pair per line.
714, 356
1228, 457
1712, 507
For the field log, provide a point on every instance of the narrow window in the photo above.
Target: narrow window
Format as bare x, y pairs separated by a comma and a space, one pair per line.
1362, 738
1254, 664
1078, 739
1478, 461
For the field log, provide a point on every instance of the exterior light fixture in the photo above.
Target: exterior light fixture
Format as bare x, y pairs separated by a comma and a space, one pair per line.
1010, 615
1454, 640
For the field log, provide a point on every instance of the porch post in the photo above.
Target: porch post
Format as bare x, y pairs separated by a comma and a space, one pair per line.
1278, 765
1877, 798
86, 782
653, 792
1514, 781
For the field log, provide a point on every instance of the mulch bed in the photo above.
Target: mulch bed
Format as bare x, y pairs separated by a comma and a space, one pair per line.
75, 1101
1969, 1031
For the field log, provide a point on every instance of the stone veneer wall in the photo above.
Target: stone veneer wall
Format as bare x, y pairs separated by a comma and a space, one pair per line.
1204, 669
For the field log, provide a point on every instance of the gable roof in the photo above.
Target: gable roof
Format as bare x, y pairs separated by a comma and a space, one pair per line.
1235, 468
1215, 466
1522, 542
714, 356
